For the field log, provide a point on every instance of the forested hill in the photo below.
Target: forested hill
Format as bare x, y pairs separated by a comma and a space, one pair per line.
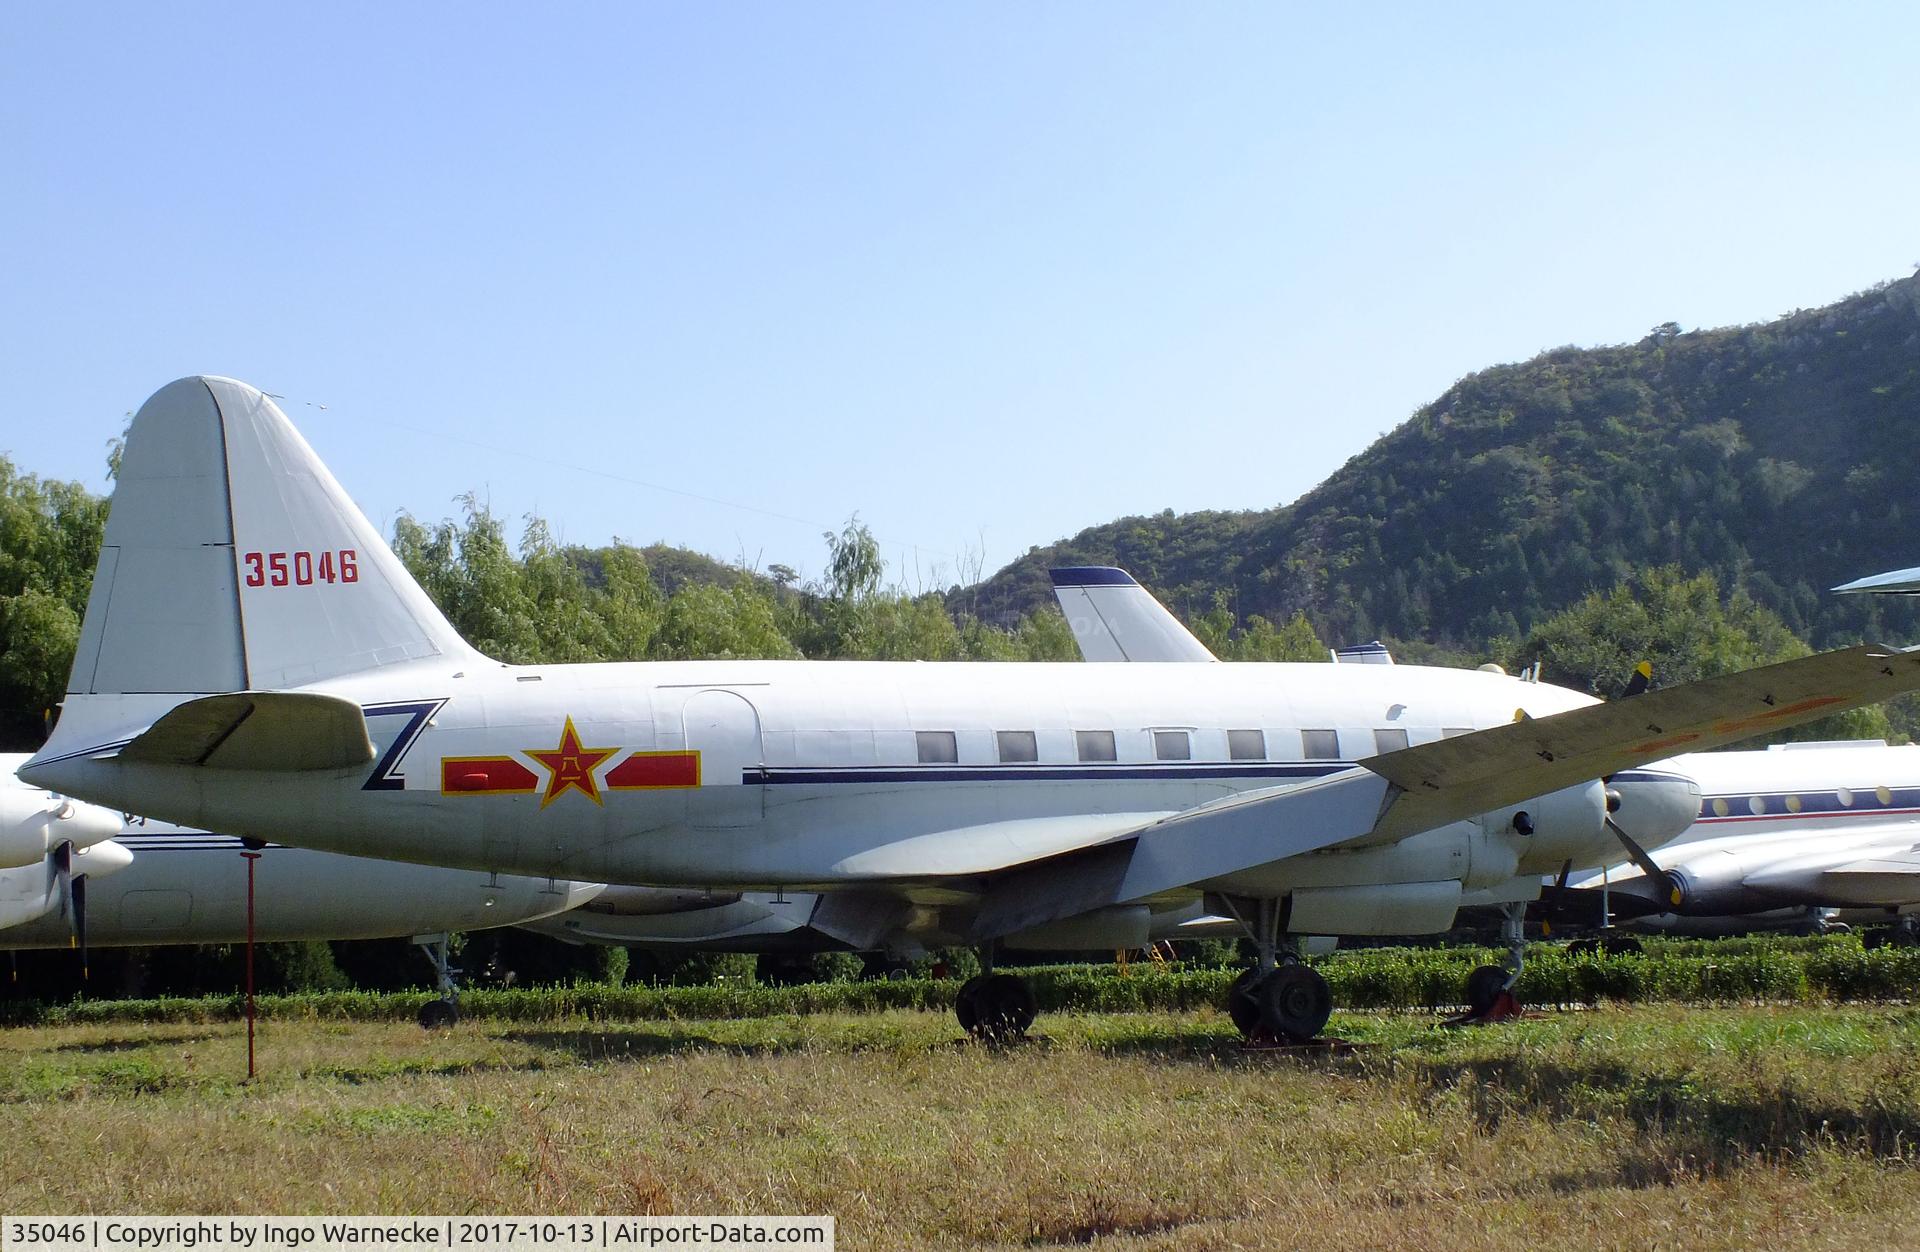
1782, 457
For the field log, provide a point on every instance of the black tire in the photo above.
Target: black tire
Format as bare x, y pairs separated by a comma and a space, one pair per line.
1484, 986
1584, 947
1295, 1003
1622, 945
1007, 1008
1243, 1006
438, 1015
966, 1005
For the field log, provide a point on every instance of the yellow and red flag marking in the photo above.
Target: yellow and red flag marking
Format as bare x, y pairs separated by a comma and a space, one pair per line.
570, 767
485, 776
651, 771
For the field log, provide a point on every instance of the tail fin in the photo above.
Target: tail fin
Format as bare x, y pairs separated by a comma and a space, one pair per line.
233, 561
1114, 618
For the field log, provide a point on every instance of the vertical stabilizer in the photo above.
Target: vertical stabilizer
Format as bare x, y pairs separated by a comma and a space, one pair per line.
233, 561
1114, 618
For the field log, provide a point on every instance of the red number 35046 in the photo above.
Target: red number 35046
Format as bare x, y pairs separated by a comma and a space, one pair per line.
301, 569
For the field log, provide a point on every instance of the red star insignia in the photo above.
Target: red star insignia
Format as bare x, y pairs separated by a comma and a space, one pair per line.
572, 766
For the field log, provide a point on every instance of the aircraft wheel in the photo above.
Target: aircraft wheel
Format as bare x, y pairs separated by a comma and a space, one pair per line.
1006, 1008
1243, 1006
1621, 945
1294, 1003
1484, 986
1584, 947
966, 1004
438, 1015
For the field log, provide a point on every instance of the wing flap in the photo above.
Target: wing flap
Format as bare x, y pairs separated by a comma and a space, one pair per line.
258, 730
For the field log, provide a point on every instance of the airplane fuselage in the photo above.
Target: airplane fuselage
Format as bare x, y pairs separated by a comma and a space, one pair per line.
770, 774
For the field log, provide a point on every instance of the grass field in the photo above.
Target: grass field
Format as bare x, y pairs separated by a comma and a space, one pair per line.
1651, 1126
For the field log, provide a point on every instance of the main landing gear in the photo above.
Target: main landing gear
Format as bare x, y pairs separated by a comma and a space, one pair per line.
1904, 933
1280, 1000
1490, 995
995, 1008
440, 1014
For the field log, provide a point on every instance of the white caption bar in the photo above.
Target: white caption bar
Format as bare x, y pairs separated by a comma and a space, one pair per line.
412, 1234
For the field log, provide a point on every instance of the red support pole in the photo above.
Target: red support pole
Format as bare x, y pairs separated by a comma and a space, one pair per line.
251, 858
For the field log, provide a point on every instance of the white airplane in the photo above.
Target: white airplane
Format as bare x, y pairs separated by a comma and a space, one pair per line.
1112, 617
302, 688
1783, 835
172, 885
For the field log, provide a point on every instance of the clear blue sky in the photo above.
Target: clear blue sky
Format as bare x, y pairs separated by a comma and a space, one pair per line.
987, 274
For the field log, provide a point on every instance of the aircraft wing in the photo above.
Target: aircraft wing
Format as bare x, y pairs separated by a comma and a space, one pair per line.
1454, 778
1900, 581
1891, 878
1402, 793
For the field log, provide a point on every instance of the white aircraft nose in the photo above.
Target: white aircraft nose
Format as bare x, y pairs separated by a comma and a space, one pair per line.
102, 859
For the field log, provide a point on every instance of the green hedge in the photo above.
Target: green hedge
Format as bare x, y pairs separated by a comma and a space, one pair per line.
1743, 970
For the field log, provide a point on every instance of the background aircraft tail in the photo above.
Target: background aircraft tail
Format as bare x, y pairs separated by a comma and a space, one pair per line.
233, 561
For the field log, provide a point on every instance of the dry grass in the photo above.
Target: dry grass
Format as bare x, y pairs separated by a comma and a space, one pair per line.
1631, 1128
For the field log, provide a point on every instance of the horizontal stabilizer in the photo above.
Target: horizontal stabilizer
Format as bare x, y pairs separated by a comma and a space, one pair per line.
258, 730
1454, 778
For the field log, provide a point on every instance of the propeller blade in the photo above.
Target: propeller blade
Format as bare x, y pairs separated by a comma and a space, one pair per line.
1636, 853
62, 858
79, 889
1641, 680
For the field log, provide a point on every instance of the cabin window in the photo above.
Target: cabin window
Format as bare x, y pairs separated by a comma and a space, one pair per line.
1247, 745
1845, 797
1883, 794
1018, 745
1720, 806
1321, 745
1391, 740
1172, 745
1757, 805
1095, 745
1793, 804
937, 747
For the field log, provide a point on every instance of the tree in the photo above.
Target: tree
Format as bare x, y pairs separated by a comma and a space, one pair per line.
1686, 629
49, 544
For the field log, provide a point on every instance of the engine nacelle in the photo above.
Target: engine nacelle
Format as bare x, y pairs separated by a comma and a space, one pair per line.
1397, 908
623, 901
1711, 883
35, 822
29, 892
1108, 929
1548, 831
